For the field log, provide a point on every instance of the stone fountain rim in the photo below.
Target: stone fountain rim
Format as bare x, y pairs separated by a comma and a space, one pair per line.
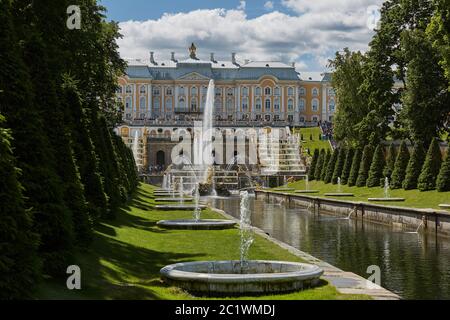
202, 223
308, 271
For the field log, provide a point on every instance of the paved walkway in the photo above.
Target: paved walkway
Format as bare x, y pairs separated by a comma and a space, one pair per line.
345, 282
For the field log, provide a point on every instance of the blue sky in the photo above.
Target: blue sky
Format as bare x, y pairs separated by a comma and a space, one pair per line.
307, 32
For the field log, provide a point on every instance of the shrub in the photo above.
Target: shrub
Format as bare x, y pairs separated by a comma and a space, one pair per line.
431, 167
356, 162
319, 165
347, 165
443, 180
390, 162
331, 165
364, 167
399, 173
376, 168
325, 165
313, 165
414, 167
339, 165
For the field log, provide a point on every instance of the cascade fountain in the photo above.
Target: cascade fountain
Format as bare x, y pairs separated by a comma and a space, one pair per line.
240, 277
386, 194
135, 148
339, 192
165, 183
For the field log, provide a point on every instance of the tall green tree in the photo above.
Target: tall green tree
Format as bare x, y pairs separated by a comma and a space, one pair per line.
331, 165
390, 162
375, 176
325, 165
19, 264
431, 167
313, 165
414, 167
443, 179
337, 172
319, 165
364, 167
347, 165
401, 163
356, 161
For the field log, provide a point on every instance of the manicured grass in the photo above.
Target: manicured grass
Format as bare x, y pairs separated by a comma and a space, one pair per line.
127, 254
315, 143
414, 198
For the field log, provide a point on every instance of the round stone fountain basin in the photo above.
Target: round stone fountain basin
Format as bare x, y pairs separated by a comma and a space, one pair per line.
386, 199
230, 278
179, 206
191, 224
172, 199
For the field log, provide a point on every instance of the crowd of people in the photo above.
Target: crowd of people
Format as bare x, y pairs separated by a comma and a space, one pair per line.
156, 169
327, 131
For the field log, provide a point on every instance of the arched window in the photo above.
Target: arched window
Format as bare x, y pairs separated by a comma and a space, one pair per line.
128, 103
267, 91
142, 103
230, 91
290, 105
169, 104
202, 105
302, 91
314, 119
142, 90
129, 89
315, 92
290, 91
218, 105
244, 104
194, 91
258, 104
276, 104
245, 91
258, 91
204, 90
156, 91
301, 104
156, 105
193, 104
230, 107
169, 91
315, 105
267, 105
182, 103
331, 105
181, 91
218, 91
277, 91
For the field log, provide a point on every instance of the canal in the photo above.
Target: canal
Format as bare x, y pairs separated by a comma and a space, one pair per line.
413, 265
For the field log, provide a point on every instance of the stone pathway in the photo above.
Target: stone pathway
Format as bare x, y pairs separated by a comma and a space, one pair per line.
345, 282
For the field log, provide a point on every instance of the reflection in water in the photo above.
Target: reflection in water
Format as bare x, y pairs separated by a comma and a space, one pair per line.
415, 266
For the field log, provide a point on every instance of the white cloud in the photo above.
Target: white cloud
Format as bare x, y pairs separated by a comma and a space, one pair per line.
309, 37
241, 5
268, 5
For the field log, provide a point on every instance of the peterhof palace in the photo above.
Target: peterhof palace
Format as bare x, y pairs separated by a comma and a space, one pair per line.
160, 96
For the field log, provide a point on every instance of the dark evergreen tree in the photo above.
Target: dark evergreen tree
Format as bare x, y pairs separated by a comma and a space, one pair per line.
414, 167
339, 165
431, 167
331, 165
399, 173
42, 185
443, 180
356, 161
325, 165
364, 166
319, 165
390, 162
19, 264
376, 168
313, 165
347, 165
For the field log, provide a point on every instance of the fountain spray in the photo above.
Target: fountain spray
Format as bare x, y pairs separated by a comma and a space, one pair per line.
245, 227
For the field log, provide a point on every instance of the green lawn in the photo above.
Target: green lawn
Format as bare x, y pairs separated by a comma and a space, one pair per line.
127, 254
315, 143
414, 198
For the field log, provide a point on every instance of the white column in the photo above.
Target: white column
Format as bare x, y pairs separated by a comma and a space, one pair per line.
134, 109
324, 103
282, 109
296, 106
163, 100
149, 102
239, 101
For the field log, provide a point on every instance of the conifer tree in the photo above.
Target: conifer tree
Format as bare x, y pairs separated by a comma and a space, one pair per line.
443, 180
331, 165
414, 167
376, 168
390, 162
356, 161
325, 165
319, 165
399, 173
431, 167
339, 165
364, 167
19, 264
312, 167
347, 165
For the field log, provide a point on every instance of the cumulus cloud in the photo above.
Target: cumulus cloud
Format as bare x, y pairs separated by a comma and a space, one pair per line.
241, 5
309, 35
268, 5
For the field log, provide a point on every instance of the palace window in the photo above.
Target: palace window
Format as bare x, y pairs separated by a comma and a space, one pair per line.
156, 105
244, 104
302, 91
119, 90
331, 92
258, 91
314, 119
277, 91
315, 92
290, 105
218, 91
230, 107
301, 104
194, 91
181, 91
290, 91
142, 103
290, 117
315, 105
230, 91
267, 105
302, 119
245, 91
218, 105
128, 103
204, 90
258, 104
142, 90
181, 103
331, 105
276, 104
169, 91
276, 117
267, 117
129, 89
156, 91
267, 91
193, 104
169, 104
